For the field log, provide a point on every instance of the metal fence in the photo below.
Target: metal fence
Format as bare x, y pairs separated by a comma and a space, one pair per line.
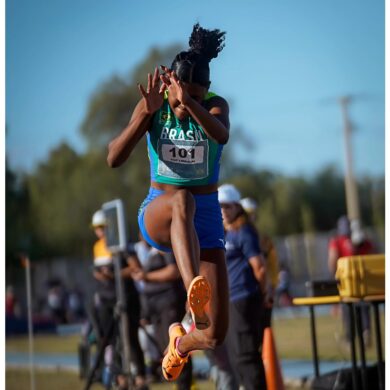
305, 256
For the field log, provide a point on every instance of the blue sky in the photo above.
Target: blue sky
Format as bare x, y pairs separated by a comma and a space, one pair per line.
283, 68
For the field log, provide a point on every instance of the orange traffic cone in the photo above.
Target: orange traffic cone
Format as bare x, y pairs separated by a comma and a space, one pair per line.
273, 373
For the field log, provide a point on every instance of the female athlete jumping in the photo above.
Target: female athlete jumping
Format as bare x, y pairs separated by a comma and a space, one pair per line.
186, 127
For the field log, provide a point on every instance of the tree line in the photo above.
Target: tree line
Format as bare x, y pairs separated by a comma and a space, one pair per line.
48, 210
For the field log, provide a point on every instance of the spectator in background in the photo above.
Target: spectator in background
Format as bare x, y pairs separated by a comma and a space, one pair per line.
12, 306
56, 301
247, 284
346, 244
106, 299
163, 296
146, 330
75, 306
221, 370
271, 257
282, 291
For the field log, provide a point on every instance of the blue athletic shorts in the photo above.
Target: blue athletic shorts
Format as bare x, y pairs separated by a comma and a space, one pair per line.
207, 221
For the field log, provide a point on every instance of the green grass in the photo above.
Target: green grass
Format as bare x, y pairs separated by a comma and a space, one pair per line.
292, 337
44, 344
44, 380
61, 380
17, 379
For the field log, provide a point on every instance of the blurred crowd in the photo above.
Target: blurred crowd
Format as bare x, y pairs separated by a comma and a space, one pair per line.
155, 298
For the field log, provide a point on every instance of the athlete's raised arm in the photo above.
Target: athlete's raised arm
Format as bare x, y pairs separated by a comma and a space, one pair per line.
214, 117
121, 147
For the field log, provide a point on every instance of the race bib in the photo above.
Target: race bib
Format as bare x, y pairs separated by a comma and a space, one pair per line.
183, 159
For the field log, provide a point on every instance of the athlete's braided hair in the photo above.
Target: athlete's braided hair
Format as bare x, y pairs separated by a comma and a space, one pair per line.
192, 66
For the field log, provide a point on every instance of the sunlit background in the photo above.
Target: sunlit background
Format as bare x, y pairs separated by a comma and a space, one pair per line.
72, 69
283, 69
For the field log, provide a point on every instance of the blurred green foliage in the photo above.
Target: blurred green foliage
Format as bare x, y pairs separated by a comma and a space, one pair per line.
289, 205
48, 211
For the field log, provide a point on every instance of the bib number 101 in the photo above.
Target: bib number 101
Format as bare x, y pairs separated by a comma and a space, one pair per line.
182, 152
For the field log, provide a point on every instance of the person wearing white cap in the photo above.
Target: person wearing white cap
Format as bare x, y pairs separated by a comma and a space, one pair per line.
249, 205
228, 194
102, 257
247, 284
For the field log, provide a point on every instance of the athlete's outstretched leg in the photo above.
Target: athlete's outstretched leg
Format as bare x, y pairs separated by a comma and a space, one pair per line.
213, 267
180, 206
158, 219
169, 221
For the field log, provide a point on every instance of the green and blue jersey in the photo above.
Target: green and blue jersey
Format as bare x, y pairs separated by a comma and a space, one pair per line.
180, 152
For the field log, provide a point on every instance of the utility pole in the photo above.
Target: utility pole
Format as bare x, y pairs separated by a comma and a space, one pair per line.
352, 198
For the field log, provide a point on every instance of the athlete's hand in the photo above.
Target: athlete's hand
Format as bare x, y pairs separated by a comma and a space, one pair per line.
177, 87
154, 94
172, 82
166, 75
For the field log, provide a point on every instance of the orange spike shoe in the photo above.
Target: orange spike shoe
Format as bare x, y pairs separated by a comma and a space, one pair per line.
198, 295
173, 363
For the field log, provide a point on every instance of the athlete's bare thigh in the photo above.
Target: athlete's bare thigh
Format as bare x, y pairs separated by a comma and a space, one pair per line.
158, 217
